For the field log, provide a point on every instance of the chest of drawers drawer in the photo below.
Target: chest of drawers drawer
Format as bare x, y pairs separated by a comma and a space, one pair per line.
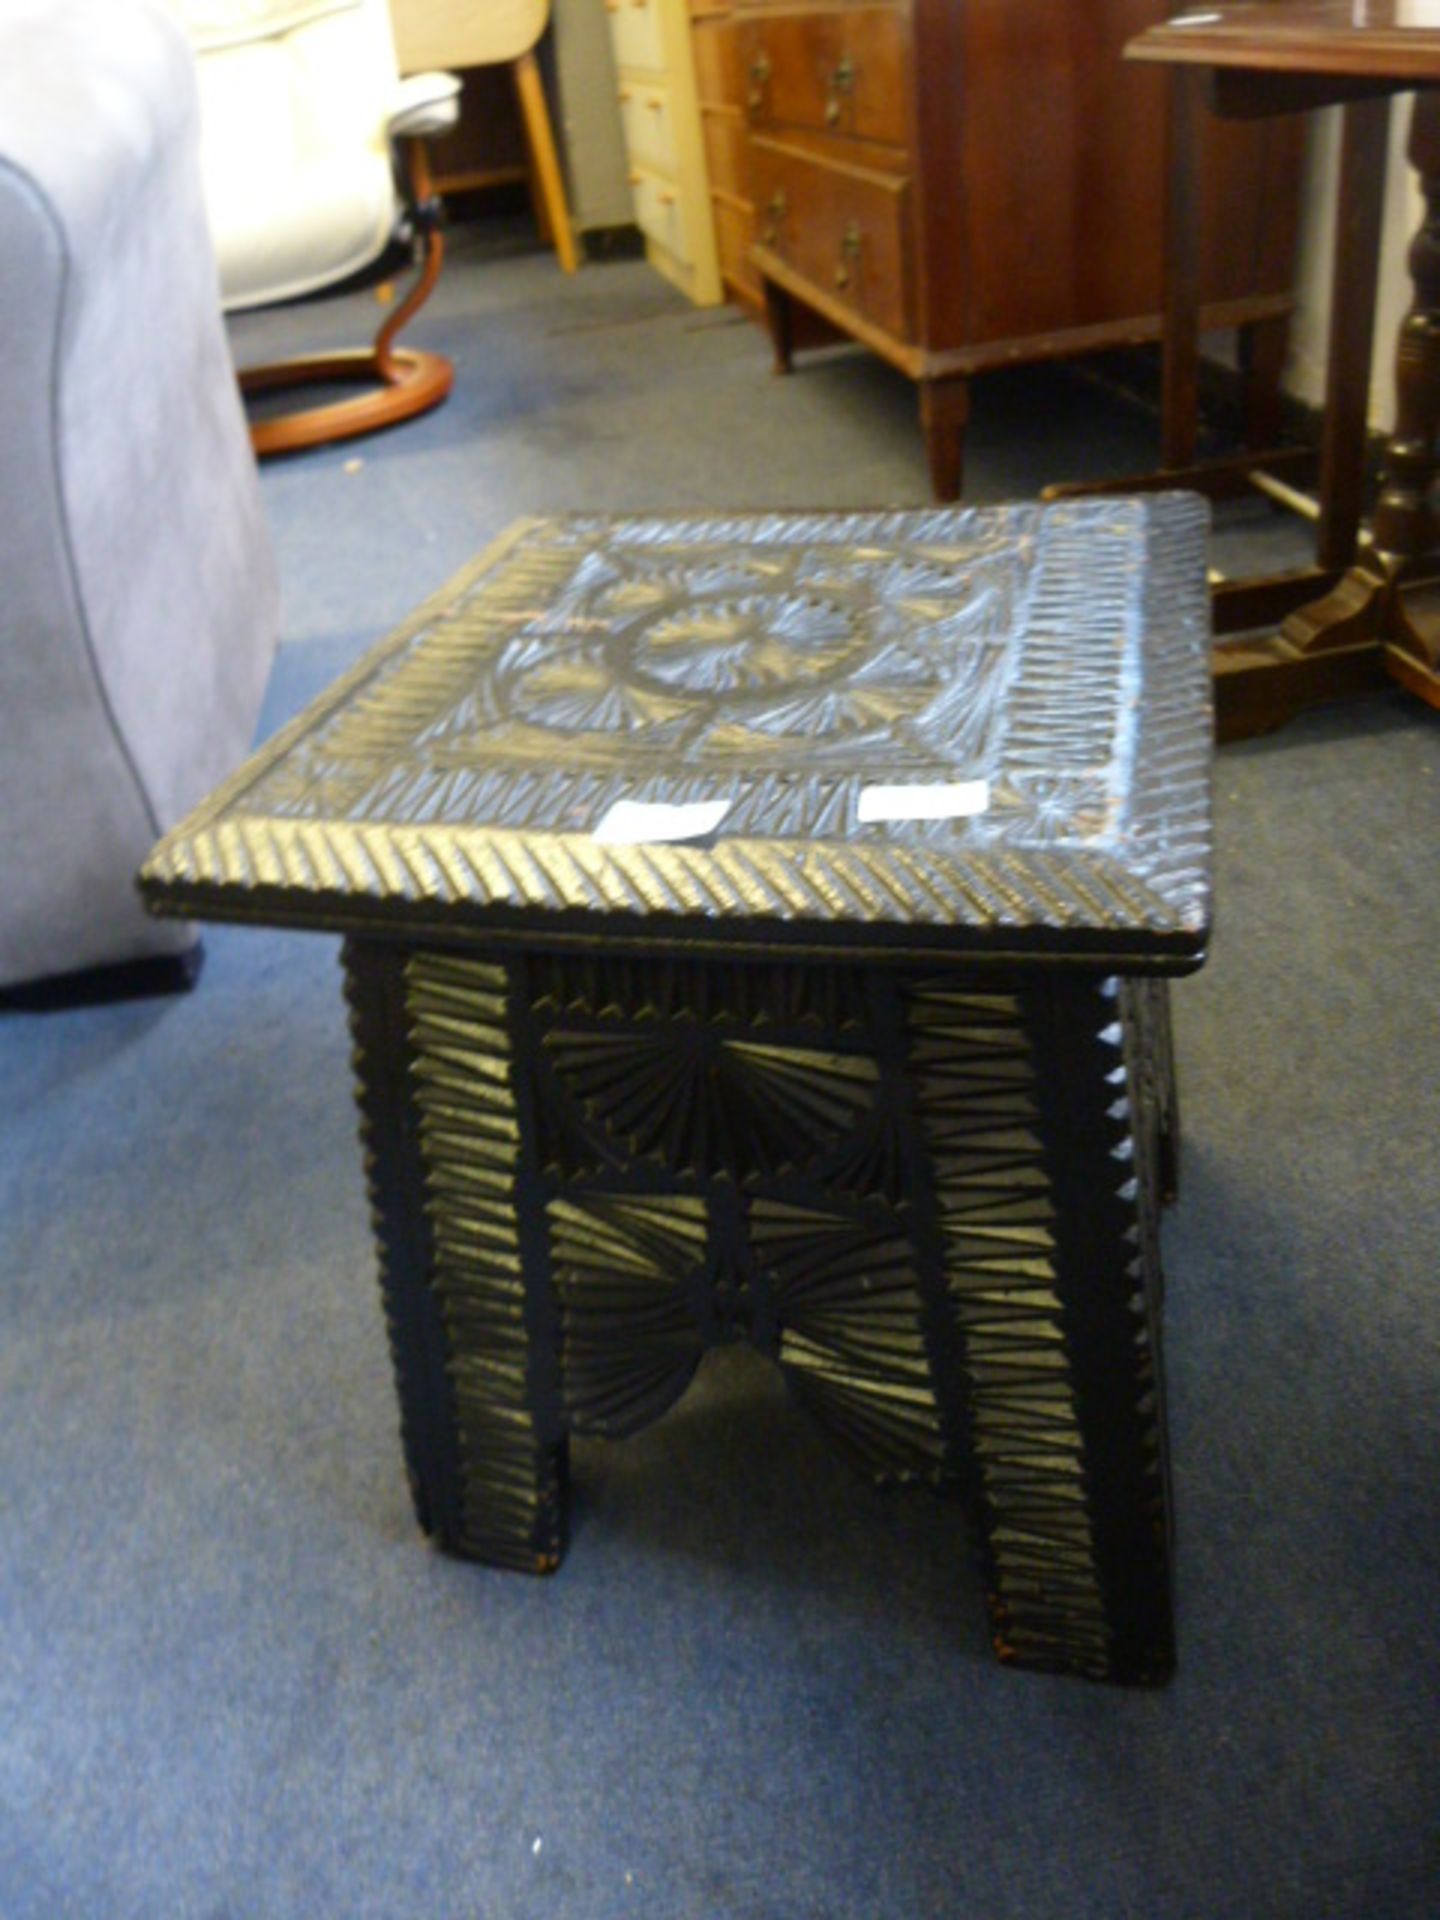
839, 72
845, 228
660, 214
648, 119
635, 34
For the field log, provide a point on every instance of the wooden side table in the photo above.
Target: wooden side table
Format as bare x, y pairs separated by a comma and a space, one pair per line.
757, 928
1250, 57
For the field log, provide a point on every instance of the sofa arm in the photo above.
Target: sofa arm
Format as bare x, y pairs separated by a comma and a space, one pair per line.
140, 607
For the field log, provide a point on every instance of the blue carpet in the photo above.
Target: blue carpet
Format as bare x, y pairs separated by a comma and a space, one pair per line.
233, 1680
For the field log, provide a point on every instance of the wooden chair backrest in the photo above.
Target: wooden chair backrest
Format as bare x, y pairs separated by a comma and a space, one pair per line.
465, 33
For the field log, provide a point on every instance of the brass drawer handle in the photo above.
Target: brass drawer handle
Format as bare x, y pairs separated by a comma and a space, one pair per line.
759, 79
849, 254
776, 208
842, 82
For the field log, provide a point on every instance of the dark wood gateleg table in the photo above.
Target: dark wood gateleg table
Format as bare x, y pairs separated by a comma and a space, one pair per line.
758, 928
1355, 621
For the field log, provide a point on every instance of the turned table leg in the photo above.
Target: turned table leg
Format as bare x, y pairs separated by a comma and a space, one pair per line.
1371, 625
1367, 616
1404, 530
1359, 215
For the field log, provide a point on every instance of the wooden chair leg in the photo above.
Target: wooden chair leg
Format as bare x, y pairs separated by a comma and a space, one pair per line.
538, 206
546, 161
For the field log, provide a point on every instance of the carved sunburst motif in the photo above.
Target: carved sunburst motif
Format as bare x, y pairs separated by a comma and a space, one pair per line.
753, 643
726, 659
851, 1342
636, 583
691, 1098
577, 693
1049, 806
629, 1343
837, 715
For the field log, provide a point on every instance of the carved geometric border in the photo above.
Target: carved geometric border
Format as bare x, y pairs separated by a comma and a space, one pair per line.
1146, 890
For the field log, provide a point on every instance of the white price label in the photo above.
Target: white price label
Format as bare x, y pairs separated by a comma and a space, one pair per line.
630, 822
932, 800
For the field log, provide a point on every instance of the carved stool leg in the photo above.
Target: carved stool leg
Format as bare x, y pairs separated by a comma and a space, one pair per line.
473, 1346
1033, 1109
944, 413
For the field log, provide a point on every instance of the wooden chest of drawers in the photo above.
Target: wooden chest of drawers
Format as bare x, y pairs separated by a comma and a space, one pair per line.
660, 117
968, 184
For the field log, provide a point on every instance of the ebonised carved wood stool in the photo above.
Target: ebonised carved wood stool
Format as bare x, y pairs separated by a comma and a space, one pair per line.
757, 928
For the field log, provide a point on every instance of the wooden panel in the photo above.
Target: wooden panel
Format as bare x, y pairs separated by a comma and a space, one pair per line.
1062, 152
734, 230
1250, 206
727, 151
844, 227
719, 83
841, 72
488, 140
719, 77
1030, 112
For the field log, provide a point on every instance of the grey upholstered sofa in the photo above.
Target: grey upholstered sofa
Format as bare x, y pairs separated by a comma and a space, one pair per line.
138, 606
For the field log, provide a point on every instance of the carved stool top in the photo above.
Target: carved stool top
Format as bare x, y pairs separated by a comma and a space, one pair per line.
934, 731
